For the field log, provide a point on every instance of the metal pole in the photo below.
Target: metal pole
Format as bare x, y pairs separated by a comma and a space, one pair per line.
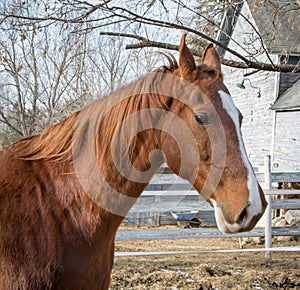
268, 215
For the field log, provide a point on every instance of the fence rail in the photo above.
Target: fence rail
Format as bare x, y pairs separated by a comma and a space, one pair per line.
271, 177
170, 191
199, 233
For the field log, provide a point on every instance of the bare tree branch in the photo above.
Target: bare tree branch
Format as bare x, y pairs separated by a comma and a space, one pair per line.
80, 11
144, 42
6, 121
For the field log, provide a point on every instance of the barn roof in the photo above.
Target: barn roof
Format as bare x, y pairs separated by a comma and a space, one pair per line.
289, 100
277, 22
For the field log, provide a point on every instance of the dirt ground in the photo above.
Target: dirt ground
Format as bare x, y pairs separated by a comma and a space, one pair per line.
247, 270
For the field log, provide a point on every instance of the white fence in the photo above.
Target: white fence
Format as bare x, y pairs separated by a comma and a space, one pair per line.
273, 203
171, 194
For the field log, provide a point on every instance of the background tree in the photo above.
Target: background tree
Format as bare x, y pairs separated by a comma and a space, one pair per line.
47, 71
164, 15
53, 59
206, 17
36, 77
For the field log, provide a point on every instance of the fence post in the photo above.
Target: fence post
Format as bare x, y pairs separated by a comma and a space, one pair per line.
268, 216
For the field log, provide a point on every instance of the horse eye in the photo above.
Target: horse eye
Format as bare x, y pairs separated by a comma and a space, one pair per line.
202, 118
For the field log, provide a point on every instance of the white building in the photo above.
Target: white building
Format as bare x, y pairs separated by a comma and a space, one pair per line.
271, 123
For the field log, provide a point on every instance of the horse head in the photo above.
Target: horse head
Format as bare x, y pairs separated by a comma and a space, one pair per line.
208, 149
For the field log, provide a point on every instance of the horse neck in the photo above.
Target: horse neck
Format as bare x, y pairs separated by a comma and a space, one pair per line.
132, 156
130, 172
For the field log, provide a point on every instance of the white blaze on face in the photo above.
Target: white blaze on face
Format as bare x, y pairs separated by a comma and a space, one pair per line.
232, 111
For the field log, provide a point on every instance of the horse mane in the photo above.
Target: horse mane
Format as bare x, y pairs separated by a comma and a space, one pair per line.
56, 141
172, 63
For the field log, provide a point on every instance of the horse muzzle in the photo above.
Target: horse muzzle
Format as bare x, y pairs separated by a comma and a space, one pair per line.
244, 221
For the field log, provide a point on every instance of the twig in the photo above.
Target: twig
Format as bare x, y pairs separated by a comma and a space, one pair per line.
144, 42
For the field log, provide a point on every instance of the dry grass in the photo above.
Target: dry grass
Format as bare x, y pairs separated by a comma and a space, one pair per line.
204, 270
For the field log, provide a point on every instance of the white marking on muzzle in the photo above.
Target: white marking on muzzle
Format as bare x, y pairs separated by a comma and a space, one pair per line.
254, 195
222, 224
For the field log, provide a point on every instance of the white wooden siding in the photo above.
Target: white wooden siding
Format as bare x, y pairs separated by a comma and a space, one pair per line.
258, 118
287, 142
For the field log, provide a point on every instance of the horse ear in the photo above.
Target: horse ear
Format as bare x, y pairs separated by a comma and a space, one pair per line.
186, 59
211, 58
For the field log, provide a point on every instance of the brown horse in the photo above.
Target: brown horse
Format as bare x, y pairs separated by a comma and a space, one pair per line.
64, 193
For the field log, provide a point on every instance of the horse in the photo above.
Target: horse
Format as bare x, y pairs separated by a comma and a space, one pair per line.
64, 193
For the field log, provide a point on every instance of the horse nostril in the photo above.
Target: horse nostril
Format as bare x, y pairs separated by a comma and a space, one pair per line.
242, 215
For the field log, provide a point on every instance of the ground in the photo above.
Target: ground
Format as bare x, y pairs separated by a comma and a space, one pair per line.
247, 270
